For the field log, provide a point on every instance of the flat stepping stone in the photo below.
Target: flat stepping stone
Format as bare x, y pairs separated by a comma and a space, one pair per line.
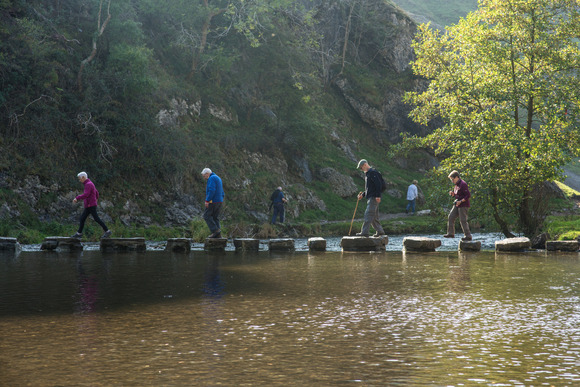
281, 244
420, 244
246, 244
178, 245
123, 244
9, 244
214, 244
513, 244
562, 245
61, 244
361, 243
469, 246
317, 244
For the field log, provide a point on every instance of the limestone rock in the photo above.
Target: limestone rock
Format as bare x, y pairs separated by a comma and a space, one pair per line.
215, 244
469, 246
123, 244
178, 245
360, 243
317, 244
9, 244
562, 245
513, 244
340, 184
247, 244
282, 244
420, 244
61, 244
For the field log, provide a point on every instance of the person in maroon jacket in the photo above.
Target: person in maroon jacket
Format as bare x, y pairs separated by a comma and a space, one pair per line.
460, 207
90, 197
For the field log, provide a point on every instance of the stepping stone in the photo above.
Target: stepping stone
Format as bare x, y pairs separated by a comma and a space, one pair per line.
247, 244
214, 244
513, 244
469, 246
123, 244
317, 244
282, 244
420, 244
9, 244
61, 244
360, 243
178, 245
562, 245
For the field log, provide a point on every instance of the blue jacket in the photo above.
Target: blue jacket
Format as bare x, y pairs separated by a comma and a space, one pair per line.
279, 198
214, 190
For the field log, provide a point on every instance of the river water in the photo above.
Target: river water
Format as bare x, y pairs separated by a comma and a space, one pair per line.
392, 318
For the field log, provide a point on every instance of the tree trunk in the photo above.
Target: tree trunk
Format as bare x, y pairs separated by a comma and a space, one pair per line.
501, 223
100, 30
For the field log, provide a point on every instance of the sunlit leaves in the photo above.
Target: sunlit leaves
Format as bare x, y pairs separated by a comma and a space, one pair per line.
505, 81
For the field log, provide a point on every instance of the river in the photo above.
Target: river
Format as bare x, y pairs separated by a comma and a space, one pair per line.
265, 318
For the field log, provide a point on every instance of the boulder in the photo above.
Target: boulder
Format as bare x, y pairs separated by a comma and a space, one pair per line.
360, 243
469, 246
215, 244
317, 244
178, 245
123, 244
247, 244
513, 244
61, 244
562, 245
283, 244
420, 244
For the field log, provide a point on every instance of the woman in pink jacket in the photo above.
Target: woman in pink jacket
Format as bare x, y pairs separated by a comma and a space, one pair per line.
89, 197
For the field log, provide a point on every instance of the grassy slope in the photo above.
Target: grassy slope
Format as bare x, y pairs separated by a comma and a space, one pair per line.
441, 12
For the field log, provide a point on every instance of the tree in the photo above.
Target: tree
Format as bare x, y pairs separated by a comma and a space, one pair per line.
505, 82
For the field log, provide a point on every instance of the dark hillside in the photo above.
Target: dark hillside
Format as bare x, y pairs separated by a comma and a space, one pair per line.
143, 95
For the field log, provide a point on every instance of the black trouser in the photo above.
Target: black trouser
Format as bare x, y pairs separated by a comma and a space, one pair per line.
91, 211
211, 215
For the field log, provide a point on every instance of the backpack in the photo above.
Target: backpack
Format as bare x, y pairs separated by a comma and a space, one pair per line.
383, 182
272, 198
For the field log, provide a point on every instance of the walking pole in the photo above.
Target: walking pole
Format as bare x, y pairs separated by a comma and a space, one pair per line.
353, 215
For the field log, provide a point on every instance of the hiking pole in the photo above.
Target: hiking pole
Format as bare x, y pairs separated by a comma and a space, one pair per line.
353, 215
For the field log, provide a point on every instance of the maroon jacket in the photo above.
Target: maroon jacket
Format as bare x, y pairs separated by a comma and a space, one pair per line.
91, 194
461, 191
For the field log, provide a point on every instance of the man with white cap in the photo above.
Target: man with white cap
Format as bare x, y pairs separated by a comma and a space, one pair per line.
373, 189
214, 197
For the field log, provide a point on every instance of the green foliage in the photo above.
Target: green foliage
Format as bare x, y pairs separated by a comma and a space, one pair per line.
563, 228
503, 80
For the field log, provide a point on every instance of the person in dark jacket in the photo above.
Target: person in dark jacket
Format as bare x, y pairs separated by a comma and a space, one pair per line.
278, 201
460, 207
214, 198
372, 192
89, 197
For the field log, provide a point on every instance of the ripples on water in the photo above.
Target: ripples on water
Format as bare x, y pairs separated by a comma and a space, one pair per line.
283, 319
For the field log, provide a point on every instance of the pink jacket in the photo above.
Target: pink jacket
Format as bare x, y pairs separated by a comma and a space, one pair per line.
91, 194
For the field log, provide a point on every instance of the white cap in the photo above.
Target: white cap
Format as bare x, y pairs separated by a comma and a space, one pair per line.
206, 170
82, 174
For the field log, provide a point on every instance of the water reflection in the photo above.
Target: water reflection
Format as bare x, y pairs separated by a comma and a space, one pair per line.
391, 318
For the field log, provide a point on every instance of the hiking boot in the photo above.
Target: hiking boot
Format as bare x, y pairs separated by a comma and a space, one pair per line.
466, 238
216, 234
448, 236
106, 234
78, 235
361, 234
378, 234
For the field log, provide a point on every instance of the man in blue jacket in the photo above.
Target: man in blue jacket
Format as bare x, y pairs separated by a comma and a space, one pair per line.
373, 189
214, 197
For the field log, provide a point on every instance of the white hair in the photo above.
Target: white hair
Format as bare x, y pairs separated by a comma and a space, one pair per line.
82, 174
206, 170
